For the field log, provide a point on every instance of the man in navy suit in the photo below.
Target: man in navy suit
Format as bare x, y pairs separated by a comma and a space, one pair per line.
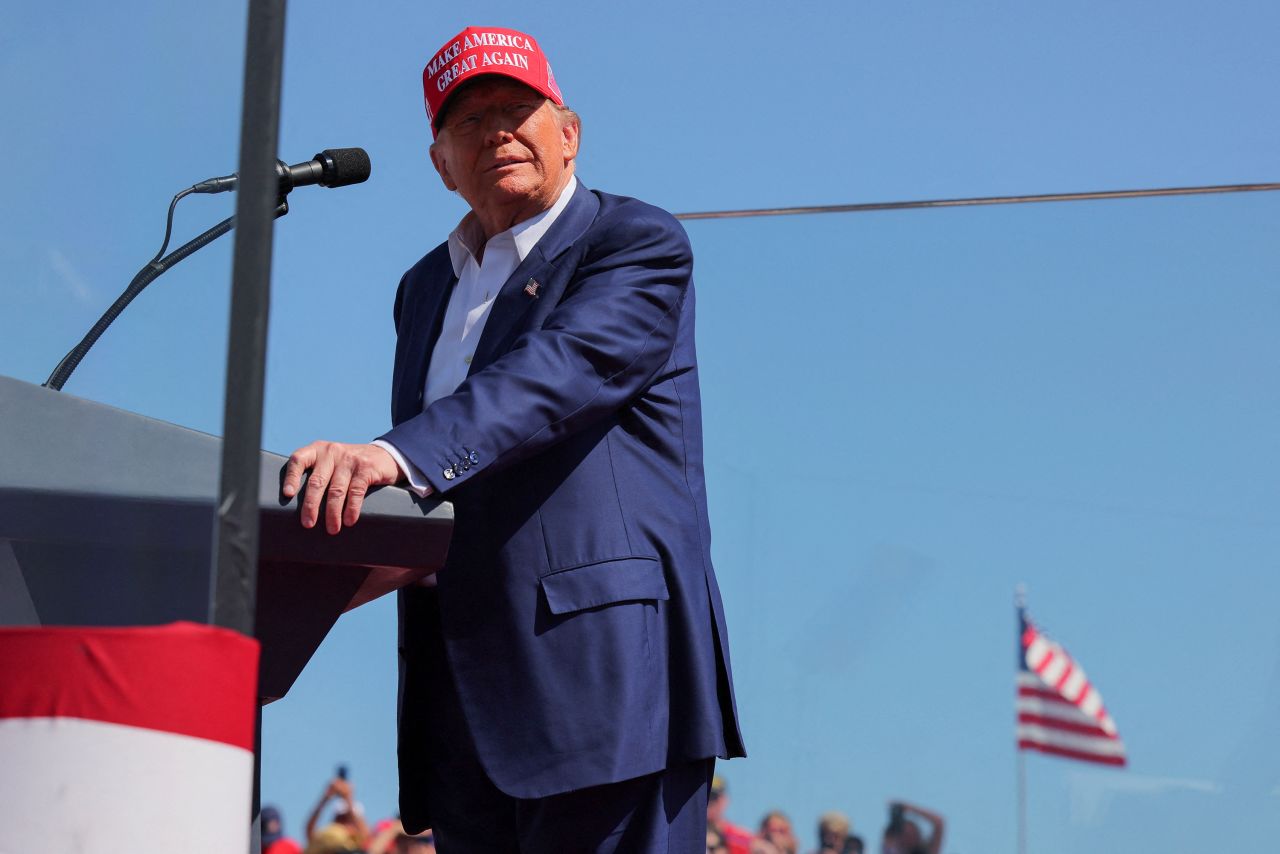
565, 685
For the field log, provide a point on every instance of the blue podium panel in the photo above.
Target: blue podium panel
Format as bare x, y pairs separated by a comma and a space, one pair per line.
106, 518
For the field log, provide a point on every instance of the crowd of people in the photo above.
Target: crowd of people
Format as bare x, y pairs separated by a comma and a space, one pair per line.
775, 835
345, 831
910, 829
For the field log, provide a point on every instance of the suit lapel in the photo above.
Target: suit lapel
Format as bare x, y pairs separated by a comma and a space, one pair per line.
428, 312
521, 290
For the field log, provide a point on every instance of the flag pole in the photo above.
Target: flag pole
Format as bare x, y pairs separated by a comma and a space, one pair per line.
1020, 603
1022, 802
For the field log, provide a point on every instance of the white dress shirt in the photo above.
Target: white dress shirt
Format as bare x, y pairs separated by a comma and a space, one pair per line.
469, 305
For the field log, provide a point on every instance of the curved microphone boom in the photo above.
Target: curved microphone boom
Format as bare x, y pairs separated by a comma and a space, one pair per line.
333, 167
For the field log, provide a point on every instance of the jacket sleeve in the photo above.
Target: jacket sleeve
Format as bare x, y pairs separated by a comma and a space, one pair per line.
603, 344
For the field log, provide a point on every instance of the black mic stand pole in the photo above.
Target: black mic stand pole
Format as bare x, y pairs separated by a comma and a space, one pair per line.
235, 551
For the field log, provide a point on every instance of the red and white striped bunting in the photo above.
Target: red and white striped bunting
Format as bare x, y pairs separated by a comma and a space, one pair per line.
1059, 710
126, 739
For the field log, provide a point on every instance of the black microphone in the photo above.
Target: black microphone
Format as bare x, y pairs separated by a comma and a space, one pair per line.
333, 167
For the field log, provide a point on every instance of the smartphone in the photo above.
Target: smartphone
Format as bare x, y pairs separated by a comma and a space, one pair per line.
342, 772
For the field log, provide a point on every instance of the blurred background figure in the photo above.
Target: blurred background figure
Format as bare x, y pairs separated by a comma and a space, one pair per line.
389, 838
273, 839
715, 842
834, 835
737, 840
903, 836
776, 836
347, 830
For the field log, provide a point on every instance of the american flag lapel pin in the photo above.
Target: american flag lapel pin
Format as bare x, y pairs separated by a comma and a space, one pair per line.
532, 288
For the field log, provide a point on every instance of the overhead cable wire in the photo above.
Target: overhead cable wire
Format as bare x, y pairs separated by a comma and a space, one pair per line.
982, 200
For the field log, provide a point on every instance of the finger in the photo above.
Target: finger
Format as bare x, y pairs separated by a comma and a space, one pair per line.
337, 494
299, 461
356, 492
316, 484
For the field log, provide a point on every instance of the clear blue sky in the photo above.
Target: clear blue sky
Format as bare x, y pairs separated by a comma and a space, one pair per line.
907, 413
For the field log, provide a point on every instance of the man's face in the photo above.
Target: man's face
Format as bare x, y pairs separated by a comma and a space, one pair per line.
909, 836
776, 827
502, 145
717, 802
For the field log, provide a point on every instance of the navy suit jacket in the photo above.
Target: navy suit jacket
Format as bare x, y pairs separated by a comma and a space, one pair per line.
578, 608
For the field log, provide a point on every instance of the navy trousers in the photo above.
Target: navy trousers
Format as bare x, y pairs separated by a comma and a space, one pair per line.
661, 813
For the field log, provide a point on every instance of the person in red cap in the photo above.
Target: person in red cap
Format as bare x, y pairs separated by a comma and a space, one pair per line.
565, 683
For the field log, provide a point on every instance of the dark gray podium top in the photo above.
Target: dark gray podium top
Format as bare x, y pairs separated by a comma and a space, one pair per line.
106, 518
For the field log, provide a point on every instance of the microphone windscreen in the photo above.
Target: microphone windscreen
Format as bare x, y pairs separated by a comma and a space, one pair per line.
343, 166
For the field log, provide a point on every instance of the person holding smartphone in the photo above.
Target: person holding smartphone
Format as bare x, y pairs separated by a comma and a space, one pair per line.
903, 835
347, 831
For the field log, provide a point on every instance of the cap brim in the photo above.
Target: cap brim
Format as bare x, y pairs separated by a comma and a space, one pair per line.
443, 110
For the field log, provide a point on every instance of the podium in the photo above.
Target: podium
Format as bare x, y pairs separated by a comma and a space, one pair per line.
107, 519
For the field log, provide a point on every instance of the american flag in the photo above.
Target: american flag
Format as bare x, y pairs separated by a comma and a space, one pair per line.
1059, 710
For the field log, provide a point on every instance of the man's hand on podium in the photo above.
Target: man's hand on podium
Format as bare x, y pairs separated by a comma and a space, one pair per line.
343, 473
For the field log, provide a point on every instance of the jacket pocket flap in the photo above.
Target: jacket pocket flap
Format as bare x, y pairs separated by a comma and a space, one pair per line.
604, 583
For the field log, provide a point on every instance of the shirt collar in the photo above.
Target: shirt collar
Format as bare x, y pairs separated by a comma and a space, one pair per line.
524, 235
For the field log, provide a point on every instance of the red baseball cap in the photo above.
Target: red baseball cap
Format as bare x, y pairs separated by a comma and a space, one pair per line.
485, 50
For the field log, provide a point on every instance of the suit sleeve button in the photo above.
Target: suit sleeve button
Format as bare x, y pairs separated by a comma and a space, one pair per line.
473, 457
449, 473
